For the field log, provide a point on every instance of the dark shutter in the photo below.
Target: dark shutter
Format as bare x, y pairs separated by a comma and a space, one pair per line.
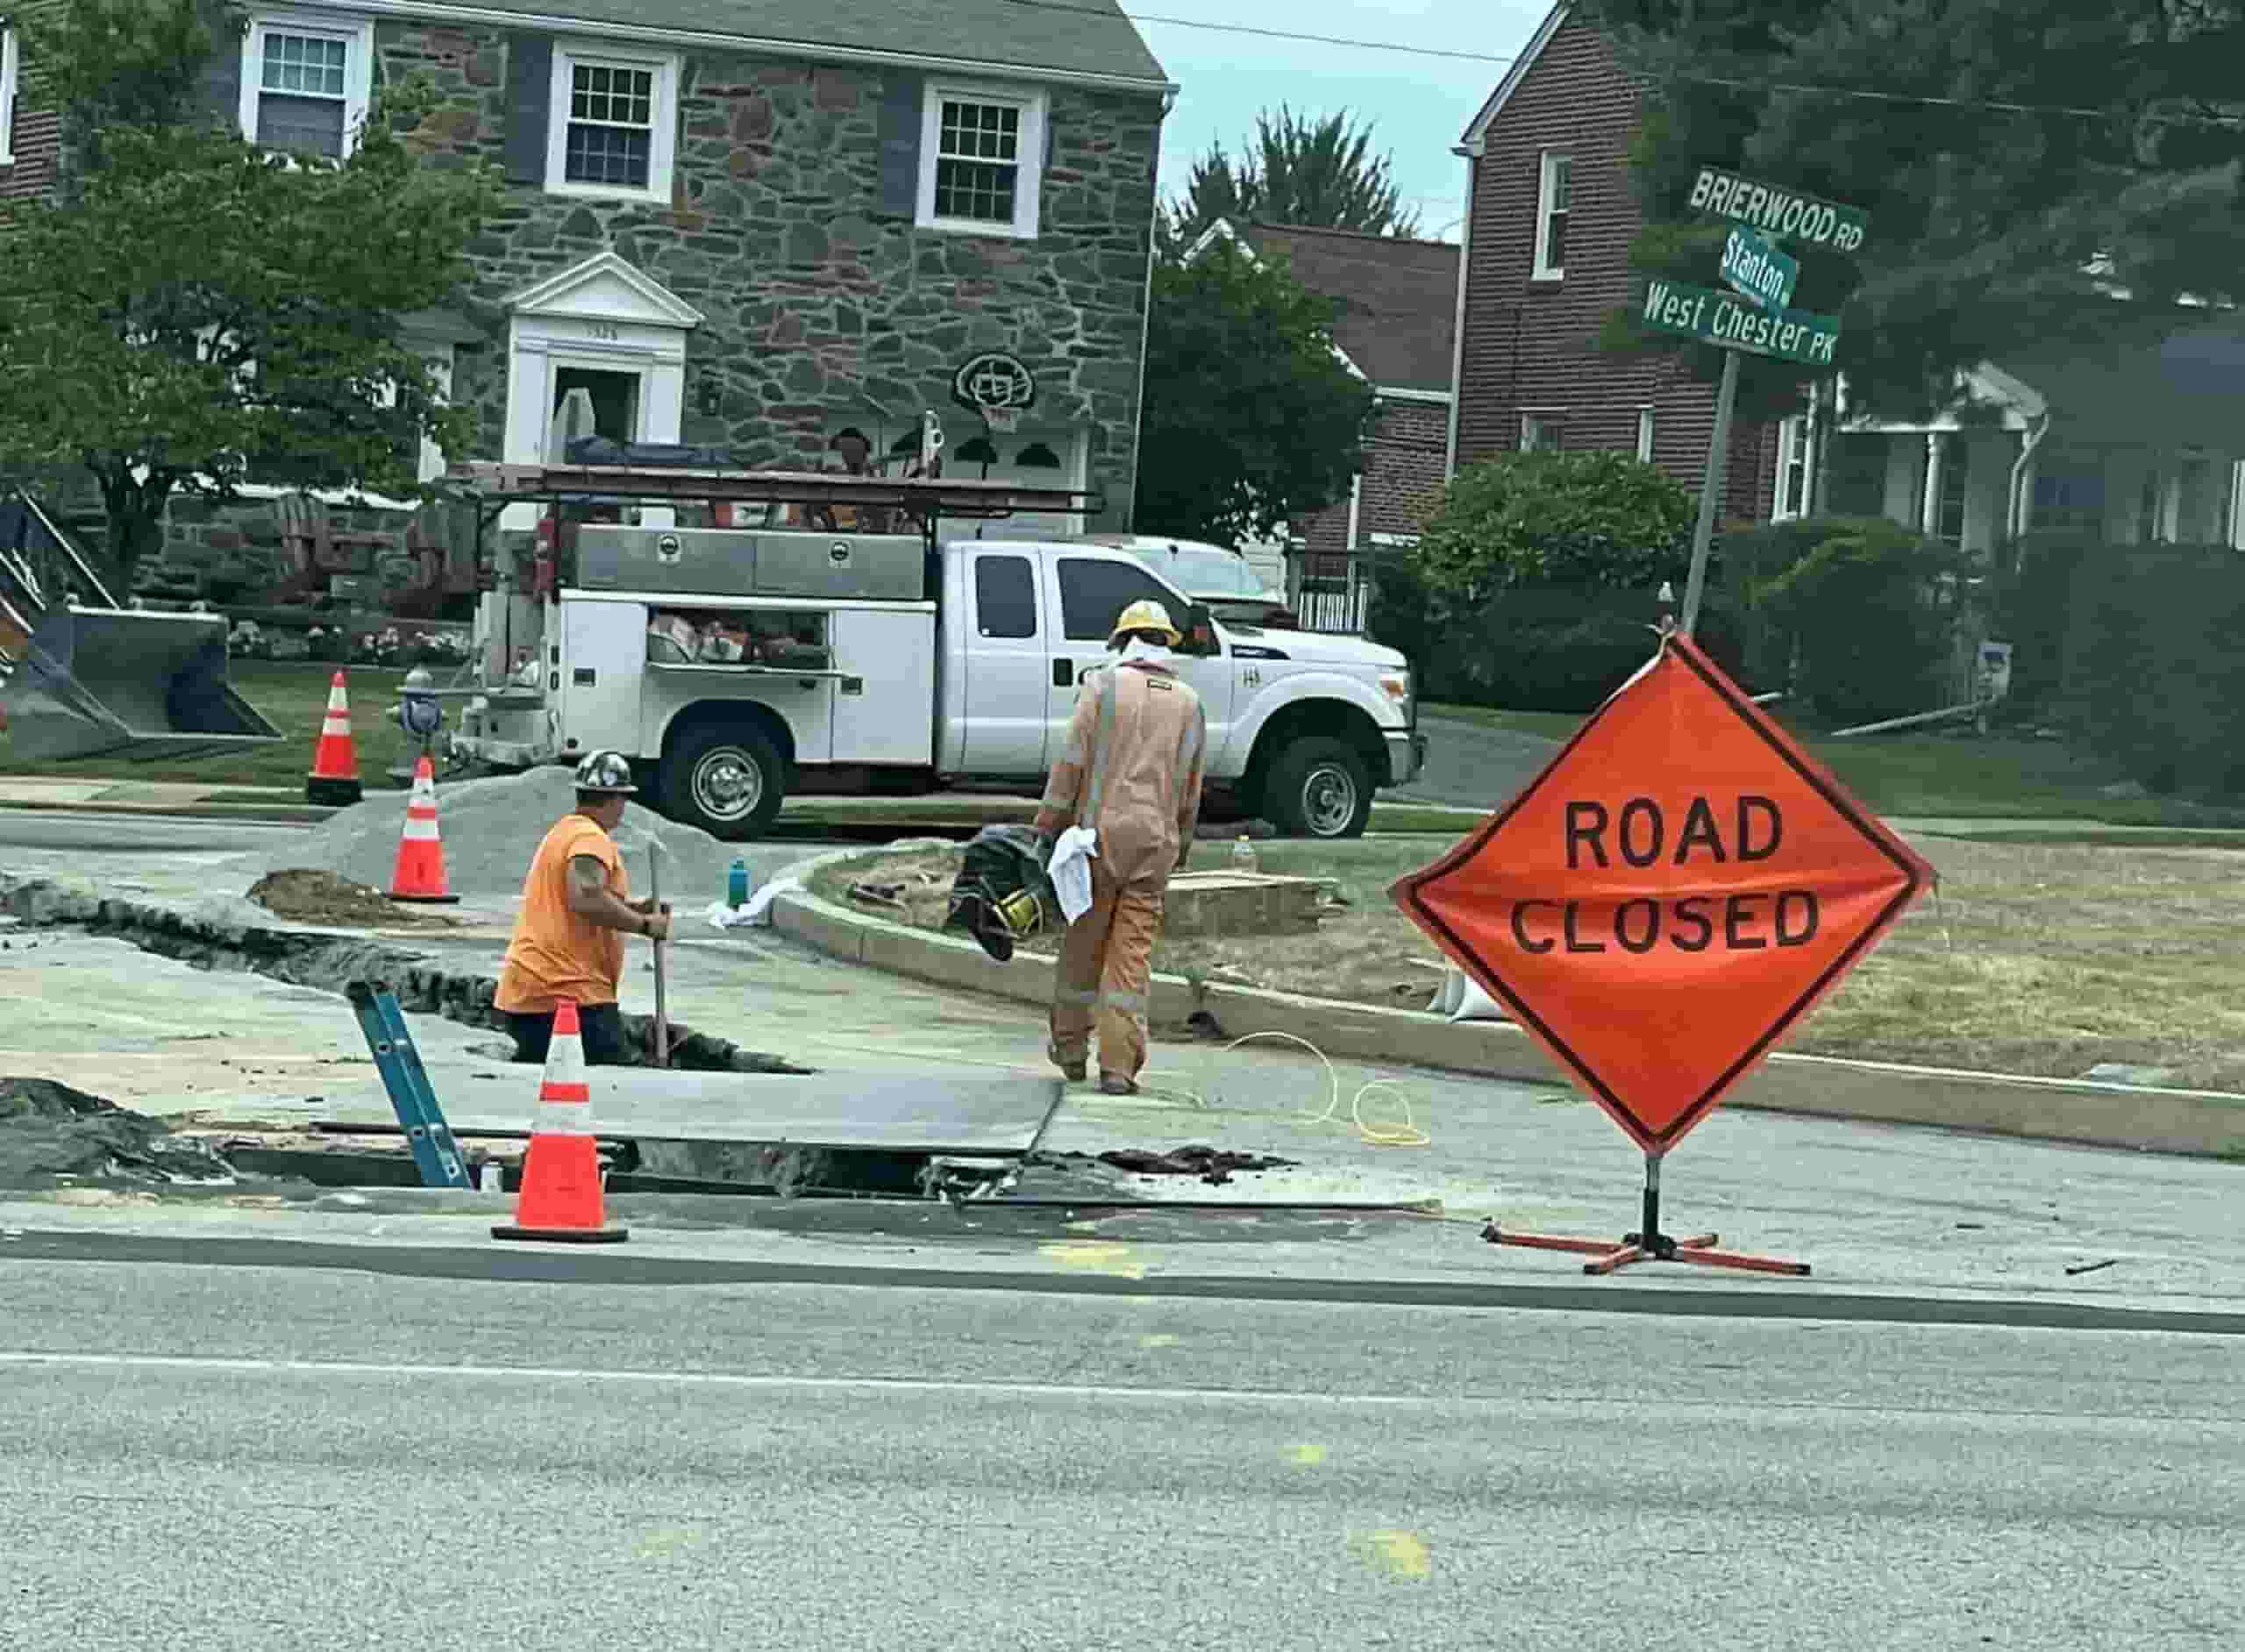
529, 97
900, 145
220, 82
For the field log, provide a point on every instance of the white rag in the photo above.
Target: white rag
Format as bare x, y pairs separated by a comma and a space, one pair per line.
756, 912
1070, 870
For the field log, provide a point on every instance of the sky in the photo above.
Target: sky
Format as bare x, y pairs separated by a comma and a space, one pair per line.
1419, 105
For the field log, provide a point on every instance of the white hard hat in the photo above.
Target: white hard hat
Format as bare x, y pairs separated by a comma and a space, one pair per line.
605, 772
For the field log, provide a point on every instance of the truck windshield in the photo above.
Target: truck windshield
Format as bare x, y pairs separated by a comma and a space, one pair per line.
1205, 573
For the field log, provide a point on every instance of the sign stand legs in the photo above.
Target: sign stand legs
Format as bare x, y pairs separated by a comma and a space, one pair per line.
1648, 1244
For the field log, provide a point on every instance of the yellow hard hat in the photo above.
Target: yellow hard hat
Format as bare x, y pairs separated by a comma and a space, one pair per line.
1144, 616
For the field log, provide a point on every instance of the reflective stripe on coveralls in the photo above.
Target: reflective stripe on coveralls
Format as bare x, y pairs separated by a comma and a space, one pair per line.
1107, 958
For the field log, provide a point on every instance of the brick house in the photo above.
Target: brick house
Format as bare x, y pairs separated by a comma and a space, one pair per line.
2133, 441
753, 226
1397, 300
1550, 216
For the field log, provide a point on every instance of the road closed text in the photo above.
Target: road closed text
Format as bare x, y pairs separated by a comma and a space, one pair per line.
1638, 833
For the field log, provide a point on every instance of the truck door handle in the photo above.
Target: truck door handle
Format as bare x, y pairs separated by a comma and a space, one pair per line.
1063, 673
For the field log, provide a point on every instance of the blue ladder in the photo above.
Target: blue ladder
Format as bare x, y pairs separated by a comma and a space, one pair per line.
407, 1080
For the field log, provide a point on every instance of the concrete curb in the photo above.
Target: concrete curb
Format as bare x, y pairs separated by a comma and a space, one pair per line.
253, 813
2190, 1122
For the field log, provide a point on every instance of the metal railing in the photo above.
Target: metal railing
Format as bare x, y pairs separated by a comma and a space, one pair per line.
1331, 591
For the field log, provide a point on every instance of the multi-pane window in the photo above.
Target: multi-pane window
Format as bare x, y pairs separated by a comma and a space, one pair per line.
1555, 200
1948, 522
302, 94
977, 162
611, 129
981, 159
7, 92
1796, 468
1539, 430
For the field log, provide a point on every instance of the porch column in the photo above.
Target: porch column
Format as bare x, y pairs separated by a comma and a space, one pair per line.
1929, 501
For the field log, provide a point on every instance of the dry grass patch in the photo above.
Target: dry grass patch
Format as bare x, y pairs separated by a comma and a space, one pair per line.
2037, 958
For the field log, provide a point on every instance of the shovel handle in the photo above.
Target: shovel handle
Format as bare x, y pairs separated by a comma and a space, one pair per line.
662, 1007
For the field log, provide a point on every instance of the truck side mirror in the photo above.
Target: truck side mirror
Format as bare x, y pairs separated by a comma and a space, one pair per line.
1199, 631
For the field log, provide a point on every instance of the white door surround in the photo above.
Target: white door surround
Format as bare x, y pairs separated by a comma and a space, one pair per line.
601, 314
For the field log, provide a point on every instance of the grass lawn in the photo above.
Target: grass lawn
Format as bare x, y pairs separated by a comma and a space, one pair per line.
1936, 776
293, 696
2038, 958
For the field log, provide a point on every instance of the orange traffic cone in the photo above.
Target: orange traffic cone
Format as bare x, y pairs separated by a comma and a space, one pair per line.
334, 779
420, 874
560, 1196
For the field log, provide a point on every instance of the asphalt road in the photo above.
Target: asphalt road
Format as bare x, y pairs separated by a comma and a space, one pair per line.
1474, 766
215, 1458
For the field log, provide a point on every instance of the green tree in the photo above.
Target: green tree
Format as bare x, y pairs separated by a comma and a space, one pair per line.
2038, 174
191, 313
1308, 173
1249, 419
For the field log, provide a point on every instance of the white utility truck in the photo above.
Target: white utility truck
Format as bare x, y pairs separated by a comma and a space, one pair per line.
737, 663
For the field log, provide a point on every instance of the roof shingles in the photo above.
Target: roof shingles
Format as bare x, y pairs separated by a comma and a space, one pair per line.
1078, 37
1398, 298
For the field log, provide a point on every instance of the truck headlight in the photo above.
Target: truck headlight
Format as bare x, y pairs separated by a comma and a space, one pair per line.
1396, 685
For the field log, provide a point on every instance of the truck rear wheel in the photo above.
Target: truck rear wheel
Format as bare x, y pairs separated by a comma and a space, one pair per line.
1318, 788
729, 782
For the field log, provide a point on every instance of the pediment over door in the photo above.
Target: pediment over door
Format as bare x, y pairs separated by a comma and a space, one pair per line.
604, 288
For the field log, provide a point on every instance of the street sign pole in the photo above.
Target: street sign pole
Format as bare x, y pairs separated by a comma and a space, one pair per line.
1711, 489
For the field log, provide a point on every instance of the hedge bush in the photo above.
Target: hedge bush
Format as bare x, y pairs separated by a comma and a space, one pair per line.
2154, 677
1868, 611
1532, 586
1554, 518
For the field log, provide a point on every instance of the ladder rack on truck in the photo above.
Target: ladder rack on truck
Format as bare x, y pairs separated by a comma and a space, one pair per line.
855, 646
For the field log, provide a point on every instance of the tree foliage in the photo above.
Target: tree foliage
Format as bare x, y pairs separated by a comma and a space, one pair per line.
1249, 419
192, 313
1319, 174
1995, 231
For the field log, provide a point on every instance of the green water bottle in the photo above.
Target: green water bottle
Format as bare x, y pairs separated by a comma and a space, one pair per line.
736, 883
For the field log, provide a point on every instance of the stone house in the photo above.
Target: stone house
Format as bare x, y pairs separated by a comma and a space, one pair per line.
757, 227
2138, 438
1396, 298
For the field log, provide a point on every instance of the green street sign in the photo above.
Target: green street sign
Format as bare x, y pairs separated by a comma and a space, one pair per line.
1775, 212
1753, 265
1720, 319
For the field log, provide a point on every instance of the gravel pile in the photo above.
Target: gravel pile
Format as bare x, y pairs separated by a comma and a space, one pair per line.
490, 829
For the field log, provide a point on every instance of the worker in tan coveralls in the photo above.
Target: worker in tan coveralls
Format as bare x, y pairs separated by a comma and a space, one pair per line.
1132, 774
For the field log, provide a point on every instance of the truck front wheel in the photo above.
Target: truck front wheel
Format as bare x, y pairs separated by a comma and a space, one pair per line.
729, 782
1319, 788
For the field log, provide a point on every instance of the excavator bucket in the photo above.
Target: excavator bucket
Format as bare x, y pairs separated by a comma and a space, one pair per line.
109, 682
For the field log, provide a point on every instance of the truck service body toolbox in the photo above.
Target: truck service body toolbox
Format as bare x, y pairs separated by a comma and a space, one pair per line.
734, 664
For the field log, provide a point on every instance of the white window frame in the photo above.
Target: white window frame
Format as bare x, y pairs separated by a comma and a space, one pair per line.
1796, 441
1029, 187
1644, 435
1546, 189
8, 70
662, 147
1537, 426
358, 37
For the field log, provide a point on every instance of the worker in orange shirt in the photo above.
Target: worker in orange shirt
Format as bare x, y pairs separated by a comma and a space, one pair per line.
1132, 774
577, 907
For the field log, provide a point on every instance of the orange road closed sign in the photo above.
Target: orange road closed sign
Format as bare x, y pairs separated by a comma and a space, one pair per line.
1679, 888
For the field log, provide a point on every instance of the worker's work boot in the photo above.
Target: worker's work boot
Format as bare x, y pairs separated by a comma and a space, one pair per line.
1115, 1084
1075, 1072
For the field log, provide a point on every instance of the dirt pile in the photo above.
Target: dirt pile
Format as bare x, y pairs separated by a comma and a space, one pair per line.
49, 1130
323, 898
490, 829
